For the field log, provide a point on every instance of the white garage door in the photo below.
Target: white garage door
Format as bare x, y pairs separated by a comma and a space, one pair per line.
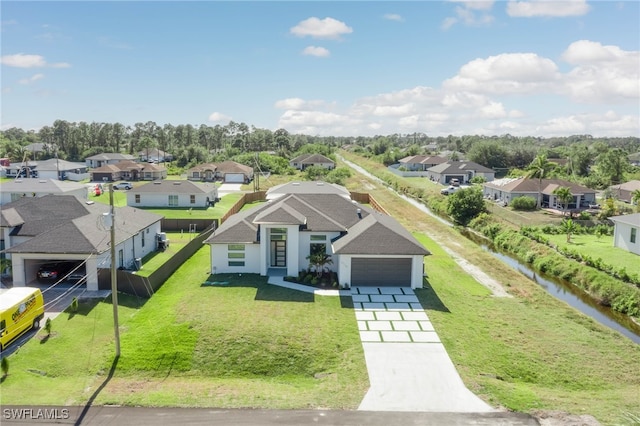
379, 272
234, 178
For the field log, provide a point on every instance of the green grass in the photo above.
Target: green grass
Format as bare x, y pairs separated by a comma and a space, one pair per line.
601, 247
217, 211
152, 261
246, 344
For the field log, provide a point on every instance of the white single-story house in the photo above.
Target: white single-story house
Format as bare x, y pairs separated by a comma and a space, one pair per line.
100, 160
173, 193
20, 188
420, 163
227, 171
55, 168
36, 231
307, 187
624, 191
506, 189
626, 234
155, 156
464, 171
367, 248
26, 169
303, 161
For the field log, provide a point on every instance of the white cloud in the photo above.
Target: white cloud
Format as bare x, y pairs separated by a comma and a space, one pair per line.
299, 104
471, 13
20, 60
547, 8
327, 28
318, 51
27, 81
218, 117
393, 17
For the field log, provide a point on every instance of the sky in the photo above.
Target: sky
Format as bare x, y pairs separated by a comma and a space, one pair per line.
362, 68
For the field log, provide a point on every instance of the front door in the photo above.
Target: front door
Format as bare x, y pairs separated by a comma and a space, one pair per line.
279, 254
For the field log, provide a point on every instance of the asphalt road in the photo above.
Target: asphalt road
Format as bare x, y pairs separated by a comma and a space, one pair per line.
31, 415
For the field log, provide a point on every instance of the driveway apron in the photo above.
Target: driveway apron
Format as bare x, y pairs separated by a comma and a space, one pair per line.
409, 368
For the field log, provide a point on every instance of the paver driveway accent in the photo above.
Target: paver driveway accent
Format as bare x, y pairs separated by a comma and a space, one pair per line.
409, 368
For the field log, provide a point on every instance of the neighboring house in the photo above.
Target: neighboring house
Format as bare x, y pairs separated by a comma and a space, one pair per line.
505, 190
203, 172
55, 168
57, 228
232, 172
624, 191
317, 187
100, 160
20, 188
27, 169
626, 234
155, 156
303, 161
420, 162
128, 170
464, 171
173, 193
367, 248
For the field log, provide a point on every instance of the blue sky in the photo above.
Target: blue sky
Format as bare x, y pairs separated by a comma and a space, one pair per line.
539, 68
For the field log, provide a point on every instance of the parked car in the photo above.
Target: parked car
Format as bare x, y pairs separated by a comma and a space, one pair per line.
450, 190
53, 271
123, 185
454, 182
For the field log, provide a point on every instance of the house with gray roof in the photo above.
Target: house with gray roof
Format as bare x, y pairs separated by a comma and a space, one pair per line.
55, 168
307, 187
506, 189
420, 162
173, 193
103, 159
128, 170
464, 171
626, 234
303, 161
63, 228
227, 171
367, 248
624, 191
21, 188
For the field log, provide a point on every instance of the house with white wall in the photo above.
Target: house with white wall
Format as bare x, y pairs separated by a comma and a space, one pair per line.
626, 234
63, 228
21, 188
367, 248
173, 193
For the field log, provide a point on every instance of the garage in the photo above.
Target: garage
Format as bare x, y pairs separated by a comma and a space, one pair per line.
381, 272
234, 177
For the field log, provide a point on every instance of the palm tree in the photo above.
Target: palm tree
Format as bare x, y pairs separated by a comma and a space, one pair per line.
565, 196
569, 227
635, 199
319, 260
539, 168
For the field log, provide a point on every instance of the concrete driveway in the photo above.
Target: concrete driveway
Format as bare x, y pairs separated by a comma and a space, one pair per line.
228, 188
409, 368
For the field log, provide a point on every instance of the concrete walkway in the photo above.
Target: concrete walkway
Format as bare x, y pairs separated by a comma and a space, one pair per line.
409, 368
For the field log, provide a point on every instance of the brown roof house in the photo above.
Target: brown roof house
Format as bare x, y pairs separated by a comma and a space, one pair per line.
128, 170
227, 171
624, 191
103, 159
64, 228
303, 161
367, 248
506, 189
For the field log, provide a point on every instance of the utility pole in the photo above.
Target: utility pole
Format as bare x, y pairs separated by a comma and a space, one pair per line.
114, 281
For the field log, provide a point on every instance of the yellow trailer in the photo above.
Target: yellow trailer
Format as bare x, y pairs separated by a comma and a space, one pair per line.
21, 308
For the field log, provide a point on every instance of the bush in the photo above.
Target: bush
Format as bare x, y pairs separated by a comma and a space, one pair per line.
523, 203
465, 204
4, 364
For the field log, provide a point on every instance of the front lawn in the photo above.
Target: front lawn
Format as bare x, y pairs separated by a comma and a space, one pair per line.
594, 247
220, 208
239, 344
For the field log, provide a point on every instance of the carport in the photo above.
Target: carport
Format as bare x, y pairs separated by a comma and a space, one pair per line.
394, 272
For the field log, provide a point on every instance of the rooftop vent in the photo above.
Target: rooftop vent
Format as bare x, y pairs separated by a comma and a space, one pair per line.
89, 202
359, 212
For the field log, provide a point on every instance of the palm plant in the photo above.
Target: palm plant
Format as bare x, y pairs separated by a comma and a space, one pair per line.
539, 168
568, 226
318, 260
565, 196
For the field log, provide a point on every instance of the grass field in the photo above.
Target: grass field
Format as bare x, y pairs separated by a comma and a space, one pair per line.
245, 344
601, 247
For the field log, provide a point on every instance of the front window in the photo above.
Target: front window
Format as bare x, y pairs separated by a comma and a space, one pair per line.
193, 199
633, 235
316, 248
137, 198
142, 238
235, 254
173, 201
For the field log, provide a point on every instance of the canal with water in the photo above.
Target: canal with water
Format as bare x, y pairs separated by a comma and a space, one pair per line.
560, 289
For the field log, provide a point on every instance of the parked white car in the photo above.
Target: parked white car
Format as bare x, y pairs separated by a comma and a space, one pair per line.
123, 185
449, 190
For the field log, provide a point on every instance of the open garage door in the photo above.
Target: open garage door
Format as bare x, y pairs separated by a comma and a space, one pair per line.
379, 272
234, 178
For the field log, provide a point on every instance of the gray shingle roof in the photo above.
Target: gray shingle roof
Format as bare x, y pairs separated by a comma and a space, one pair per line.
308, 188
39, 185
174, 187
627, 219
63, 224
521, 185
453, 167
111, 156
52, 165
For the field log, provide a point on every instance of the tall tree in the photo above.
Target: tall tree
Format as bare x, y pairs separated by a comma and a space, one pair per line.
539, 169
612, 164
565, 196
